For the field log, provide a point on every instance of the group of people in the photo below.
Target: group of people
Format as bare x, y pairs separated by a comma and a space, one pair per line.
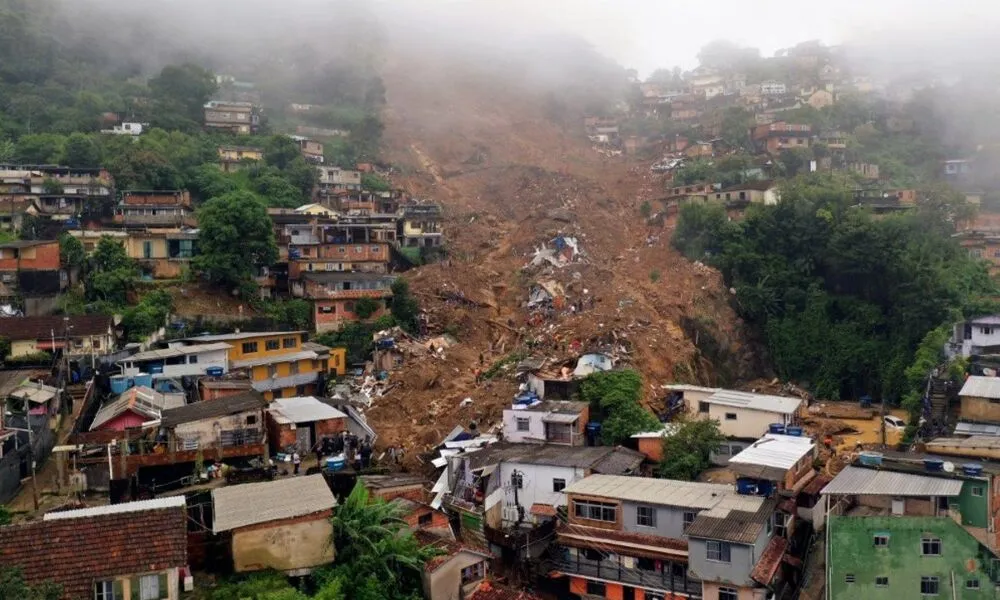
357, 452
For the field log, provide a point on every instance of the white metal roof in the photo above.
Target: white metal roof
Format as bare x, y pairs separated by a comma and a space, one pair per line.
38, 393
668, 430
762, 402
859, 481
981, 387
773, 450
114, 509
683, 387
277, 358
225, 337
251, 503
177, 350
667, 492
143, 400
305, 409
977, 429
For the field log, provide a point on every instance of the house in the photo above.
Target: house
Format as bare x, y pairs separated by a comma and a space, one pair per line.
334, 295
979, 335
957, 168
232, 421
983, 245
865, 170
980, 399
778, 136
156, 209
234, 158
820, 99
549, 421
133, 408
910, 525
213, 387
743, 417
390, 487
35, 398
783, 462
773, 88
643, 538
279, 363
420, 226
335, 179
302, 422
14, 210
178, 359
834, 140
78, 335
317, 210
161, 252
752, 192
695, 188
650, 443
240, 118
30, 271
282, 525
504, 486
457, 571
311, 150
126, 128
130, 550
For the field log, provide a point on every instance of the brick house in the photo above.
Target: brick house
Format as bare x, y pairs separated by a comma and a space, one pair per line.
390, 487
30, 271
171, 208
104, 551
780, 135
302, 422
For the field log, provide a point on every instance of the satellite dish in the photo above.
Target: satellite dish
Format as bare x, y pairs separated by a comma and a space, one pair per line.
949, 467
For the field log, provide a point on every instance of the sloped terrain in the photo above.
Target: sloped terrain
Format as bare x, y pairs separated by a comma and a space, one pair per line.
511, 179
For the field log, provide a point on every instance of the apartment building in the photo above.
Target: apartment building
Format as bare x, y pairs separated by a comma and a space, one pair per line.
241, 118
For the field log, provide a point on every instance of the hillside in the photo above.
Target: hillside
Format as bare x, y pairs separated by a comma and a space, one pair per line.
510, 180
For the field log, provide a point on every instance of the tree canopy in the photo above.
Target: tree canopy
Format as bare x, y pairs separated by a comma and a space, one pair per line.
235, 238
687, 451
615, 399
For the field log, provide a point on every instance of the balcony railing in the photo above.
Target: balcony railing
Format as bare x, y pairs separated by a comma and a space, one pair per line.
666, 579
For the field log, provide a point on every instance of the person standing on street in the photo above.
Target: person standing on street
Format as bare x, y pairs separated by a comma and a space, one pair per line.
296, 461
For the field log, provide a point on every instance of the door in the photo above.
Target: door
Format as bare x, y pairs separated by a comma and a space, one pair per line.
628, 593
897, 506
303, 437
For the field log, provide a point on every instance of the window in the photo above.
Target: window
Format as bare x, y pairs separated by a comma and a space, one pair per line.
730, 416
779, 524
150, 587
523, 424
272, 370
881, 581
249, 347
289, 342
272, 345
517, 480
972, 584
358, 249
558, 485
645, 516
703, 407
849, 578
688, 519
930, 546
645, 564
977, 490
108, 590
474, 573
726, 593
986, 330
251, 419
597, 588
425, 519
596, 511
276, 394
300, 390
192, 359
881, 540
293, 368
718, 551
929, 586
96, 343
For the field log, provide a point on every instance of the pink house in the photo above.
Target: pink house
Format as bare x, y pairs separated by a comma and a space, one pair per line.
134, 407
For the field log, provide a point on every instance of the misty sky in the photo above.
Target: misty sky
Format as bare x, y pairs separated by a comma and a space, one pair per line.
646, 34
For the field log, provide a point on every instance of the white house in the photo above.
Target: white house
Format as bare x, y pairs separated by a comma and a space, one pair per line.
179, 359
553, 421
742, 415
773, 88
975, 336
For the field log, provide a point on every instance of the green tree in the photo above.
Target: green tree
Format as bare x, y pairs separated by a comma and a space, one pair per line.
366, 307
699, 230
5, 517
179, 95
615, 398
686, 452
39, 148
404, 307
81, 151
236, 238
280, 151
374, 183
112, 273
14, 587
71, 251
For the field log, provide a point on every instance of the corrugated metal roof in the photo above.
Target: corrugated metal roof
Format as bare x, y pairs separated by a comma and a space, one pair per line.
683, 387
773, 450
143, 400
305, 409
165, 353
738, 519
777, 404
251, 503
979, 442
603, 458
210, 409
666, 492
977, 429
38, 393
277, 358
668, 430
115, 509
981, 387
225, 337
873, 482
276, 383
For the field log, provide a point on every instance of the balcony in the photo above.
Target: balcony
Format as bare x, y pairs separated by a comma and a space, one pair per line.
156, 220
672, 577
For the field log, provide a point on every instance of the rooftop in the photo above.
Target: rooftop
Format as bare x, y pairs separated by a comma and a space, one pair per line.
274, 358
34, 328
977, 442
175, 351
860, 481
736, 518
143, 400
449, 549
774, 450
305, 409
382, 482
252, 503
210, 409
117, 509
758, 186
28, 244
602, 459
666, 492
229, 337
763, 402
981, 387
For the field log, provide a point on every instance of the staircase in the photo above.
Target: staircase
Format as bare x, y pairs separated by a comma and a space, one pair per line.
937, 393
78, 395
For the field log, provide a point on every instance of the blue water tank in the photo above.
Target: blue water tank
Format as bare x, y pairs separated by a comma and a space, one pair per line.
972, 469
866, 401
796, 431
764, 488
933, 465
336, 463
776, 428
143, 380
746, 487
871, 459
155, 369
119, 383
214, 371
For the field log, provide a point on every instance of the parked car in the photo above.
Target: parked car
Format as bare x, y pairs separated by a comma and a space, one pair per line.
892, 422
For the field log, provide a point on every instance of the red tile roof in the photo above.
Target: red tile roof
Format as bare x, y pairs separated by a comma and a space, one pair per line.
450, 548
543, 510
488, 590
43, 328
763, 572
75, 552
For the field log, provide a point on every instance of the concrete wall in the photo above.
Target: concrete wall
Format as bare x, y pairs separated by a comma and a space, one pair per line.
537, 482
749, 424
710, 591
980, 409
445, 583
852, 553
196, 364
207, 431
284, 545
98, 344
669, 520
743, 558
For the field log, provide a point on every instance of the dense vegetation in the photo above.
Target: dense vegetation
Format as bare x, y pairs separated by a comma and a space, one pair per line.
841, 297
615, 399
688, 449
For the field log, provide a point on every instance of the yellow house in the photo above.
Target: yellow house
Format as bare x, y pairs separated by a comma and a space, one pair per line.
162, 254
281, 364
316, 210
231, 158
